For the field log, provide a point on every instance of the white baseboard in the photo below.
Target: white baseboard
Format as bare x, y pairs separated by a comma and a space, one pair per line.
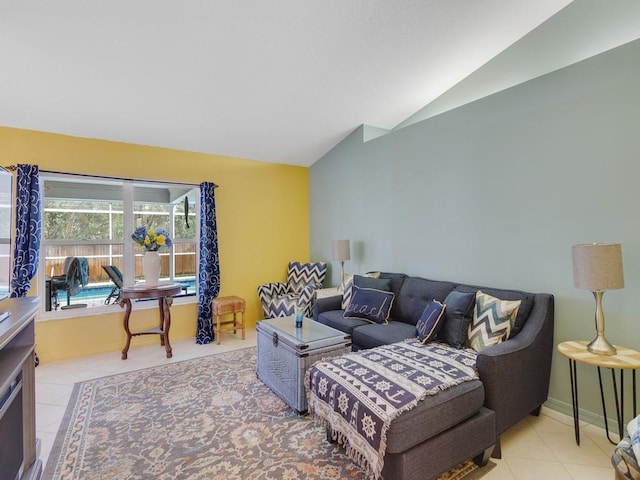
554, 408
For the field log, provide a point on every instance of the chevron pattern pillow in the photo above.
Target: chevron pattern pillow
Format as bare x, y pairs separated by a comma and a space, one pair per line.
299, 275
492, 320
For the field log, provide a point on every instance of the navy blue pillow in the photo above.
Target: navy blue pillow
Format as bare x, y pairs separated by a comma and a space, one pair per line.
457, 318
369, 304
430, 321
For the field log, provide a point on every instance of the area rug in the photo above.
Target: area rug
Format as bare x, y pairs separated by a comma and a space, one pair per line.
209, 418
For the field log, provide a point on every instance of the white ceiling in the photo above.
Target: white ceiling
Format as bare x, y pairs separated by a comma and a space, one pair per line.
271, 80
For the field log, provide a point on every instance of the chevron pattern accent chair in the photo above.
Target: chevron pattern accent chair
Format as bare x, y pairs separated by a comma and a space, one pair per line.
280, 299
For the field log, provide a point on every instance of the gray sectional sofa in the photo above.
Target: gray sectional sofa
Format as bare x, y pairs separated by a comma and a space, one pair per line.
465, 421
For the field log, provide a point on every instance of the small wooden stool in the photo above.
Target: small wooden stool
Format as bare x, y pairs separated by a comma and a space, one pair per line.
226, 306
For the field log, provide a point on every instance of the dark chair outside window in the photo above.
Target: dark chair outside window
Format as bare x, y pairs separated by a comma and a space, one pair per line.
76, 275
116, 277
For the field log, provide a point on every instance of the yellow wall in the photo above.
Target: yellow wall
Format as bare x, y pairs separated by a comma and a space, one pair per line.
263, 222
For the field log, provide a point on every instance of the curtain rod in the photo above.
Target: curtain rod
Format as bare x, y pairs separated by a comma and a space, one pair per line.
13, 168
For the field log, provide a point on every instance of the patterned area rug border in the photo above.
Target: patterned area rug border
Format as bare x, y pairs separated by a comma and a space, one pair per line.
203, 418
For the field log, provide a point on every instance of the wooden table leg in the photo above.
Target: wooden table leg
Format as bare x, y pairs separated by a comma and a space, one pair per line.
125, 322
166, 316
161, 326
217, 329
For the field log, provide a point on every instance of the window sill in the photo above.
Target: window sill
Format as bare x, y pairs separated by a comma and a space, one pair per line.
45, 316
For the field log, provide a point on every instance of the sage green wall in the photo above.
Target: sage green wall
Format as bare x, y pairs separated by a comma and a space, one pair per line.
496, 192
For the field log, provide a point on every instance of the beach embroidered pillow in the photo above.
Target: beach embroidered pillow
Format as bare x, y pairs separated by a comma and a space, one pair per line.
369, 304
492, 320
348, 283
430, 321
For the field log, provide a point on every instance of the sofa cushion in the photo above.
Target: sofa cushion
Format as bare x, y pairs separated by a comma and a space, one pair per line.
492, 320
369, 304
335, 319
364, 281
434, 414
430, 321
374, 335
525, 298
414, 296
397, 279
457, 318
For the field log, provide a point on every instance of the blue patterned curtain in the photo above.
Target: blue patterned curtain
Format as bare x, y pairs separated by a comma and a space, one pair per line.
28, 229
209, 268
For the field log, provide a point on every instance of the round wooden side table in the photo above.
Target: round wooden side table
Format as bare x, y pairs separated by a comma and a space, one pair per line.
164, 292
624, 359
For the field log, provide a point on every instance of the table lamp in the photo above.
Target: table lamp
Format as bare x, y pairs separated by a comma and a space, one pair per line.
341, 253
598, 267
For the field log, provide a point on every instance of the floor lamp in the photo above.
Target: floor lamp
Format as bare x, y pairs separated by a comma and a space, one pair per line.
598, 267
341, 253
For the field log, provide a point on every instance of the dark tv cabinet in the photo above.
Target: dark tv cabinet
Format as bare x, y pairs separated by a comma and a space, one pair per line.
19, 454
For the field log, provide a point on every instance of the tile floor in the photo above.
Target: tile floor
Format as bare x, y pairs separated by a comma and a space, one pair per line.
537, 448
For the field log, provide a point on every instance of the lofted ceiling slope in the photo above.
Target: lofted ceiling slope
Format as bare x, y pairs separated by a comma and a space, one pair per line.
275, 80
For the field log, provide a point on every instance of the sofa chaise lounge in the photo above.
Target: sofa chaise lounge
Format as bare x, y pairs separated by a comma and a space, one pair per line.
464, 421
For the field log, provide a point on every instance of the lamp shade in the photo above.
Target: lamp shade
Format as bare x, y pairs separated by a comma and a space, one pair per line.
598, 266
341, 251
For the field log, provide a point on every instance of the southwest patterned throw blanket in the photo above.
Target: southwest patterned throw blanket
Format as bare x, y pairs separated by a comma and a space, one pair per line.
358, 395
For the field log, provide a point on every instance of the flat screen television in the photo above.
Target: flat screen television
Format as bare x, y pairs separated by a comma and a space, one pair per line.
6, 209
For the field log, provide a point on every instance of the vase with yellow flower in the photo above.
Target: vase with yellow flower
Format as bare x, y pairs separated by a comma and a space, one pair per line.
152, 241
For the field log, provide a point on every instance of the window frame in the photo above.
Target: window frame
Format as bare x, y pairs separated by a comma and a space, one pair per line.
128, 247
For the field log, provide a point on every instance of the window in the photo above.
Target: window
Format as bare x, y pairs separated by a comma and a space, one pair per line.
6, 189
93, 218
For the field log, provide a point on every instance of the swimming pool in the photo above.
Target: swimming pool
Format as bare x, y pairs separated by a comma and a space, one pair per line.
102, 291
96, 295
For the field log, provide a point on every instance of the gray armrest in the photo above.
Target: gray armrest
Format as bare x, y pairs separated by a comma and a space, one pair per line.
326, 304
515, 373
